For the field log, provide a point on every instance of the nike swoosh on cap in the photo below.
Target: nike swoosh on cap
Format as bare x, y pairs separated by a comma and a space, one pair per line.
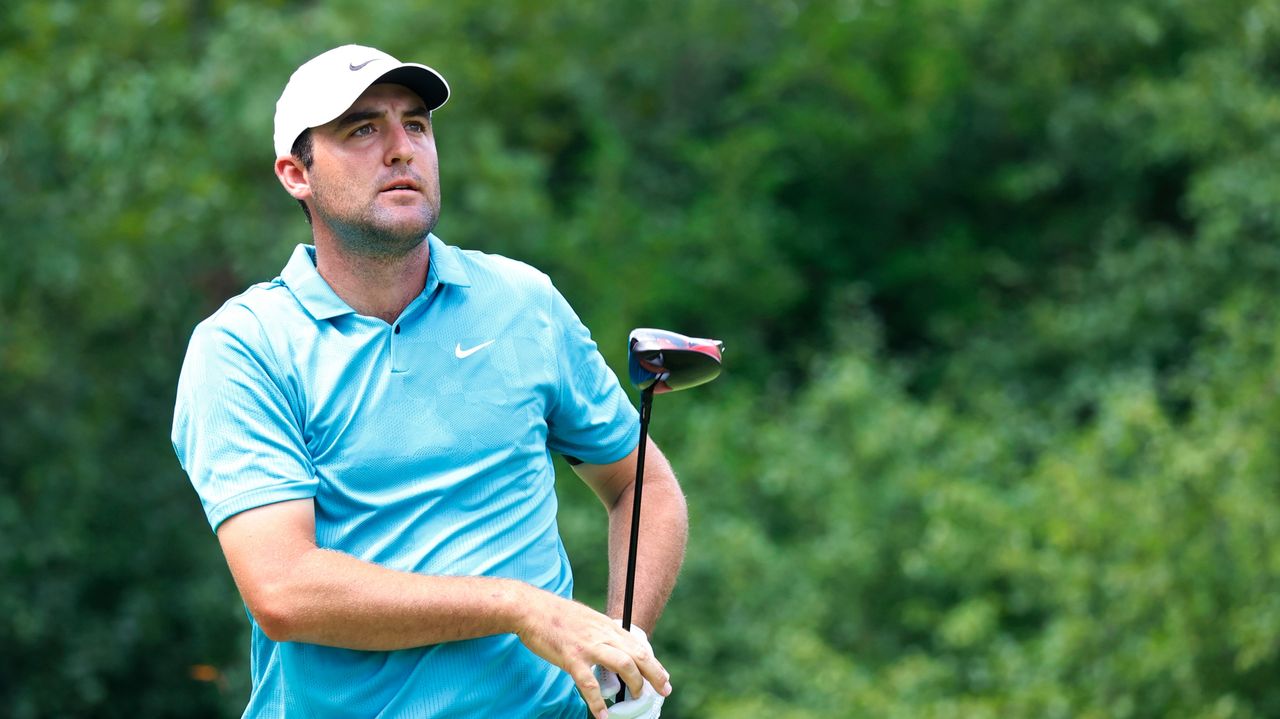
357, 67
463, 354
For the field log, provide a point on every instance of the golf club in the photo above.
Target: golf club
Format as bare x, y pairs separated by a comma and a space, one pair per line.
660, 361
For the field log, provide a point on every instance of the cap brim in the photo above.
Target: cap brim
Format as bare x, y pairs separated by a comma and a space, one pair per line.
429, 85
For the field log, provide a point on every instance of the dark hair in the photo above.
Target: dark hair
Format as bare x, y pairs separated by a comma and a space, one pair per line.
303, 150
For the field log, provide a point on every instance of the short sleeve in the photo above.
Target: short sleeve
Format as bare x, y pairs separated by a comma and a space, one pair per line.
591, 417
235, 431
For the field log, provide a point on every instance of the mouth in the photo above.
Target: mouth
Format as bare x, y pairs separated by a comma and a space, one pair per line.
403, 185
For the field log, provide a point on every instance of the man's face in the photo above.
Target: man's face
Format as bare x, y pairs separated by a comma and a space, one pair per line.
375, 180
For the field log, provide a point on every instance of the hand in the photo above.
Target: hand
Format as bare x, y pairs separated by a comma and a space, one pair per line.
646, 706
574, 637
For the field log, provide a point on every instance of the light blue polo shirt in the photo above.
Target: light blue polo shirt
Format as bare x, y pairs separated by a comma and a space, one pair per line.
426, 446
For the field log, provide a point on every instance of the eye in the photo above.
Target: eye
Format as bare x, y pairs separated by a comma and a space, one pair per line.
362, 131
415, 126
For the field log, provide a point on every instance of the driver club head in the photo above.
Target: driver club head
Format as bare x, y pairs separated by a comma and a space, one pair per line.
668, 361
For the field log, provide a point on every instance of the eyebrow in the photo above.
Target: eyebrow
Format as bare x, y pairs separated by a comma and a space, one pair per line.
359, 116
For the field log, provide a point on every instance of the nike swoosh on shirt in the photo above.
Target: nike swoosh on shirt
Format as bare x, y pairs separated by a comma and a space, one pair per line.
463, 354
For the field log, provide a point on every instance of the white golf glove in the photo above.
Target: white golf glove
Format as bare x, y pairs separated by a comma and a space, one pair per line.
646, 706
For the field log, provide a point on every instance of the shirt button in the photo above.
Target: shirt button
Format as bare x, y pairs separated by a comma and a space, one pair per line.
397, 329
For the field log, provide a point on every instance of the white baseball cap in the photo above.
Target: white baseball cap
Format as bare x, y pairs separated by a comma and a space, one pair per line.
326, 85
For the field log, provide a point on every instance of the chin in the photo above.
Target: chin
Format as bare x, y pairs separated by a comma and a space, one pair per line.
383, 233
406, 224
385, 240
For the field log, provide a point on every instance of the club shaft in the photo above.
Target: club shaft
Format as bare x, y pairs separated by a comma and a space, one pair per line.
646, 405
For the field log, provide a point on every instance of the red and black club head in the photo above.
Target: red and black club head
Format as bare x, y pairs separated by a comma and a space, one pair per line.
669, 361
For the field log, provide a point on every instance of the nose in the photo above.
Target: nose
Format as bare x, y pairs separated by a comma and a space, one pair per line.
399, 146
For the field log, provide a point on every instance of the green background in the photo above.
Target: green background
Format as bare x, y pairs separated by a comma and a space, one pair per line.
997, 435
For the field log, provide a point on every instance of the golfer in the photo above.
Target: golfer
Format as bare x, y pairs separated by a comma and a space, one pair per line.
371, 435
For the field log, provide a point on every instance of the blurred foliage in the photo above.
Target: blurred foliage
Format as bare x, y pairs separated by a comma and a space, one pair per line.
996, 281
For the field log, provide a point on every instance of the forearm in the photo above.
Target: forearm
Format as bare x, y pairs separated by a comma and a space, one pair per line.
334, 599
664, 530
297, 591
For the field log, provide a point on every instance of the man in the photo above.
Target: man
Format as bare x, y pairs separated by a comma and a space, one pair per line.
371, 437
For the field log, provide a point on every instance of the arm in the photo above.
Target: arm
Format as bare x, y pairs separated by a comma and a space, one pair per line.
664, 530
592, 418
299, 592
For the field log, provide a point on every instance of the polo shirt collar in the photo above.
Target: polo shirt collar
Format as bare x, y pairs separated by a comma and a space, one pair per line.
322, 303
306, 284
446, 266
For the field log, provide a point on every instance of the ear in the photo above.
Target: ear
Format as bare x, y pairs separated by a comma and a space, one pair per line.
293, 176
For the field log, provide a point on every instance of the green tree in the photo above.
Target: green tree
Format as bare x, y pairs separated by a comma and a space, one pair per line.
995, 280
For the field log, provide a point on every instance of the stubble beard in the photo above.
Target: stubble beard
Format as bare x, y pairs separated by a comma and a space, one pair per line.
370, 232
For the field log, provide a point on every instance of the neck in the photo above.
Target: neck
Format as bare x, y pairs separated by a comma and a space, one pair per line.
373, 286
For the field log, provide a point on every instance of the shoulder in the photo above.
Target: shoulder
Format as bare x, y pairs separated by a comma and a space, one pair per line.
247, 318
499, 272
